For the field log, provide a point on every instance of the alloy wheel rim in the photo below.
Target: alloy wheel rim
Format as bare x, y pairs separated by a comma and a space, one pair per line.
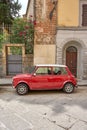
69, 88
21, 89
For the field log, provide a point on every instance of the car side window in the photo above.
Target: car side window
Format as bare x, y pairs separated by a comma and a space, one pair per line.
49, 71
56, 70
42, 71
64, 71
59, 70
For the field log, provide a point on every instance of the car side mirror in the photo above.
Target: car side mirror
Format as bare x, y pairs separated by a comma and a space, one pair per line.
34, 74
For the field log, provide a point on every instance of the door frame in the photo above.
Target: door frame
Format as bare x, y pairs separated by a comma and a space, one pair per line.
5, 53
79, 47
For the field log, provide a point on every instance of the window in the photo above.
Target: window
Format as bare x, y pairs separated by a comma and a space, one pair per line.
59, 70
43, 71
83, 12
84, 15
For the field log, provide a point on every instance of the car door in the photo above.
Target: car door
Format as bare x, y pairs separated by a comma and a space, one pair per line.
41, 79
59, 77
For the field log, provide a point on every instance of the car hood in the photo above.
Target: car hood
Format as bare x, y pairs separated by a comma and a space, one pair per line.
22, 75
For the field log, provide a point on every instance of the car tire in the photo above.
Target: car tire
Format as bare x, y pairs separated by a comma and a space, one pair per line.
68, 88
22, 89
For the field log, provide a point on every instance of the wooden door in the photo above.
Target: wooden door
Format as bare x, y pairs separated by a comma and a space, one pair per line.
71, 59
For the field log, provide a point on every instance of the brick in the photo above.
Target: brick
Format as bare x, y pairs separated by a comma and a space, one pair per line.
47, 26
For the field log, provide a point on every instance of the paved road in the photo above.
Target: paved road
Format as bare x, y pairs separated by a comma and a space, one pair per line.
43, 110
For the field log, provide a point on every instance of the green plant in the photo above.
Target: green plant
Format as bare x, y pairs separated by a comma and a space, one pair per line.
16, 50
1, 38
9, 9
23, 32
1, 41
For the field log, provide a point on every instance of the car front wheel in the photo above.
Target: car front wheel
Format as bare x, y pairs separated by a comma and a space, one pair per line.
68, 88
22, 89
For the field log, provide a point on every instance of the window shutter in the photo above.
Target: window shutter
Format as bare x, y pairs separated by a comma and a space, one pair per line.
84, 15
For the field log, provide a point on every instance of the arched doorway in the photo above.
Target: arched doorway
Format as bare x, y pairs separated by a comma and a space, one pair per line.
71, 59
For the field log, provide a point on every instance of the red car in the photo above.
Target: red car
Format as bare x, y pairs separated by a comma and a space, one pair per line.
45, 77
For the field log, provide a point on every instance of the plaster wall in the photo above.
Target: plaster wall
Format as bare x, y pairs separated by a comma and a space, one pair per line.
44, 54
45, 31
68, 13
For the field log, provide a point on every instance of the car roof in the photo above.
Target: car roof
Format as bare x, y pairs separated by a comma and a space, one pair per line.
50, 65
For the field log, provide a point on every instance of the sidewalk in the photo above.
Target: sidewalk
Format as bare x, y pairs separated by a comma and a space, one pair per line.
8, 81
82, 82
5, 81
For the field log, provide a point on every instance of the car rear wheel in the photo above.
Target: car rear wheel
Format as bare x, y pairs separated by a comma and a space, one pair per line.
22, 89
68, 88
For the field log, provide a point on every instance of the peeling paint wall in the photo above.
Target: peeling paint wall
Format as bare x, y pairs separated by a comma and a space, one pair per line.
68, 13
45, 31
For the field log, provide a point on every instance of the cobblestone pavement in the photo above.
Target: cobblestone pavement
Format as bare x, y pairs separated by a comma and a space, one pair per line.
43, 110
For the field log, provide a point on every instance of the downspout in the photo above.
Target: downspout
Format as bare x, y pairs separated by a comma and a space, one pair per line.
52, 11
34, 12
55, 5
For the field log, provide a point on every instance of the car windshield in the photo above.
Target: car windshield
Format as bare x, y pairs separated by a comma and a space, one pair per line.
31, 69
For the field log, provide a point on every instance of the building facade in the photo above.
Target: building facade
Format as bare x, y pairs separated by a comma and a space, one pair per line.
45, 30
61, 34
71, 38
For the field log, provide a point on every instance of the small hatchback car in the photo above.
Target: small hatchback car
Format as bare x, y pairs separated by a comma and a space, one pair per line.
45, 77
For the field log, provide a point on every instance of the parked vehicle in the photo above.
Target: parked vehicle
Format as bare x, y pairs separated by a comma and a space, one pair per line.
45, 77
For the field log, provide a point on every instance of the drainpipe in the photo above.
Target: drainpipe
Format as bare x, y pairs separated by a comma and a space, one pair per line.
54, 8
34, 12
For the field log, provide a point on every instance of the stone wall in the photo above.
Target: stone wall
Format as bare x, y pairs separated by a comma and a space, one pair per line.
27, 59
76, 37
1, 65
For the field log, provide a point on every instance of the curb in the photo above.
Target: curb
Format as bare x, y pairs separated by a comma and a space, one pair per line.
8, 84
